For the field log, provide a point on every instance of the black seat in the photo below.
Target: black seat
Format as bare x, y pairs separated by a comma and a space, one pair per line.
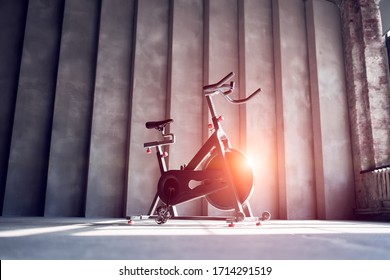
159, 125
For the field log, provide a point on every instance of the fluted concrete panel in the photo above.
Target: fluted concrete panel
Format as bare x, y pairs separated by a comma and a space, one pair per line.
260, 112
12, 23
333, 158
148, 101
297, 189
29, 153
186, 87
68, 165
87, 84
221, 59
108, 154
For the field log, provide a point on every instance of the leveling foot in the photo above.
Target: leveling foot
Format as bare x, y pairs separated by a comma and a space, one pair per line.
266, 216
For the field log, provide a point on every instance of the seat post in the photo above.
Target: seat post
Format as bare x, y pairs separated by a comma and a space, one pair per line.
161, 160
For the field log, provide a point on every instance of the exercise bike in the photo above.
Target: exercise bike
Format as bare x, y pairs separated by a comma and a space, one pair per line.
224, 175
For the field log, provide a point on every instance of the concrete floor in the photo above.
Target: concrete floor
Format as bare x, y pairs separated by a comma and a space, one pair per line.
94, 239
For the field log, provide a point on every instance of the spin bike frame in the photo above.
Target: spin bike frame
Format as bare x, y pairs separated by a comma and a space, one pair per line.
217, 143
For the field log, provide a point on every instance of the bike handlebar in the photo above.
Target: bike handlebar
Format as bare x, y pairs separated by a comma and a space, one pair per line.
226, 89
214, 87
243, 100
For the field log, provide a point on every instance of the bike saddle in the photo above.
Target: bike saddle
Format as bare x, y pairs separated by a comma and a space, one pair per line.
159, 125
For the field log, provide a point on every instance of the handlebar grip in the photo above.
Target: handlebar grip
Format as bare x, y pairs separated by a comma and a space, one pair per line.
252, 95
256, 92
240, 101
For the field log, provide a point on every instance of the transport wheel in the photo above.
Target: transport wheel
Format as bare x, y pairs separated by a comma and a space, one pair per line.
161, 220
266, 216
163, 214
240, 216
242, 174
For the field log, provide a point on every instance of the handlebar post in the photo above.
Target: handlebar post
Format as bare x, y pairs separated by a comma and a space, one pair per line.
211, 107
224, 89
213, 112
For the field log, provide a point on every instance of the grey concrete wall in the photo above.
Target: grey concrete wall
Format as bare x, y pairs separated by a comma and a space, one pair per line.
77, 140
68, 162
29, 152
12, 22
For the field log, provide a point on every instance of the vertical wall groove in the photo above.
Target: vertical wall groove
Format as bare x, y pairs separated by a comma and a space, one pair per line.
314, 92
206, 66
242, 75
83, 197
130, 107
279, 111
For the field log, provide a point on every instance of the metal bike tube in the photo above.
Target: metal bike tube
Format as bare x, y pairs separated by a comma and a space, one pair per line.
201, 155
163, 169
236, 201
223, 143
161, 161
211, 143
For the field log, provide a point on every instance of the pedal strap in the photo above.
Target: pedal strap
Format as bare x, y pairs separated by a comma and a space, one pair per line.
159, 125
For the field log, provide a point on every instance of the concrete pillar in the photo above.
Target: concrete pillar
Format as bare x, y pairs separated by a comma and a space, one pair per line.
149, 91
368, 94
109, 136
12, 23
293, 112
29, 152
377, 79
68, 165
332, 146
260, 126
